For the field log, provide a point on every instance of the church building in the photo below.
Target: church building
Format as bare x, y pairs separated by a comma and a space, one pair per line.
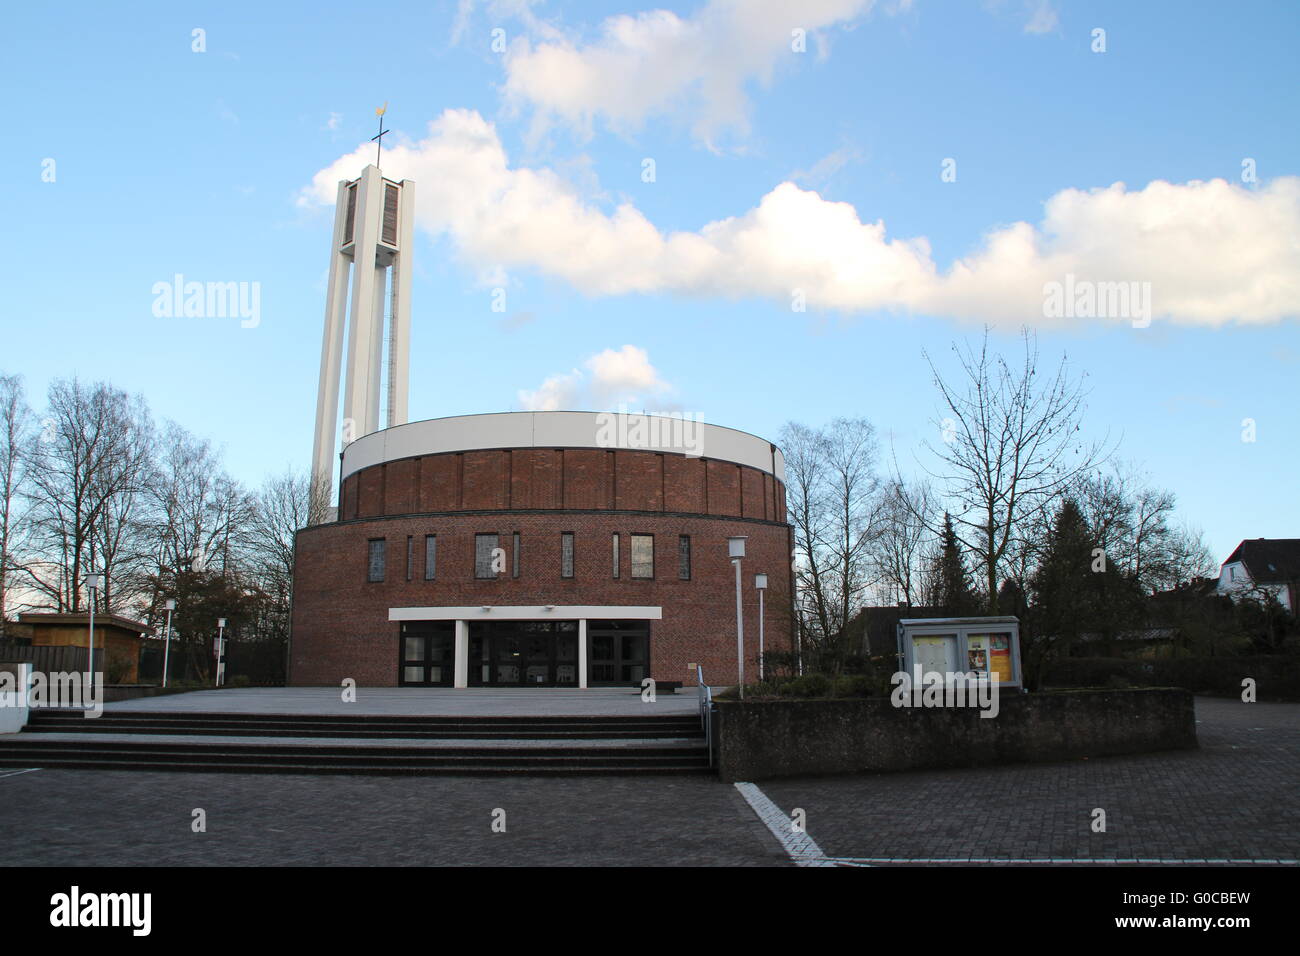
519, 549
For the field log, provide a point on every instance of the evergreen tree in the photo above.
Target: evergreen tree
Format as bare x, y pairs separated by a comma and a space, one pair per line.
1076, 590
952, 584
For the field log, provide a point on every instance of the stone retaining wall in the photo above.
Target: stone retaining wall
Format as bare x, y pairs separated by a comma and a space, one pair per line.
757, 740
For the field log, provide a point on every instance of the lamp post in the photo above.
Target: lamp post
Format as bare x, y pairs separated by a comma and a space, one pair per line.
171, 606
93, 584
221, 646
760, 583
736, 551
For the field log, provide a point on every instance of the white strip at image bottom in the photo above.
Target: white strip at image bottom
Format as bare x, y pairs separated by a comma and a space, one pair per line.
802, 849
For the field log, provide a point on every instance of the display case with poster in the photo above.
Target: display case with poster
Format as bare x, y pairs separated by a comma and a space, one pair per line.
985, 646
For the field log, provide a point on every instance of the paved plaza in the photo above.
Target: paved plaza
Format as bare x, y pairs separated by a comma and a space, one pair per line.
1236, 798
420, 701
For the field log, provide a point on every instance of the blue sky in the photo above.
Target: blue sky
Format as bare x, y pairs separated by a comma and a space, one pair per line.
212, 165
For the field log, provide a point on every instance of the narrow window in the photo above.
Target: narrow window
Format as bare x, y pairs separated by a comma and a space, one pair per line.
375, 564
430, 556
643, 556
615, 554
514, 559
485, 546
684, 556
410, 556
566, 554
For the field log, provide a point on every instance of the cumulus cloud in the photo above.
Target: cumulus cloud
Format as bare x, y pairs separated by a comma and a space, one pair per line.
1212, 251
655, 62
608, 378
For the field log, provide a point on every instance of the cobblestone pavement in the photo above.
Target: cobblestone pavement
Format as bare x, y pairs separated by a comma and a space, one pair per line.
1237, 797
125, 818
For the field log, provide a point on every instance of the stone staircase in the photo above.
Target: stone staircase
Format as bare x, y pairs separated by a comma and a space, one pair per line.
360, 744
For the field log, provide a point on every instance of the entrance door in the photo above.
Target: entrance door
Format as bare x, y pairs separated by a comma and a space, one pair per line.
620, 651
427, 654
523, 653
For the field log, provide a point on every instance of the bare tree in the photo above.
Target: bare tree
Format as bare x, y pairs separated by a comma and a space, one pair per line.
899, 553
202, 518
1131, 520
93, 448
833, 490
286, 504
119, 542
15, 423
1011, 446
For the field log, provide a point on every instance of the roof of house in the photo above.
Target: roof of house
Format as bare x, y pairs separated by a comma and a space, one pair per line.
50, 618
879, 625
1269, 559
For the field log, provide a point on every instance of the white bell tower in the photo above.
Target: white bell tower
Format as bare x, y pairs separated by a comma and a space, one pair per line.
373, 224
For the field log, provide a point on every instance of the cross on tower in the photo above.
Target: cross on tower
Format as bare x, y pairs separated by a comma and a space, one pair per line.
378, 140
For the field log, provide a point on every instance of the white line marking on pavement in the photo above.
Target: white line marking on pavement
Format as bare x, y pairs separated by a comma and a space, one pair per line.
15, 773
931, 861
802, 849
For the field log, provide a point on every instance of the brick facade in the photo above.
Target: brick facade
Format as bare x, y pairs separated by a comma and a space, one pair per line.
594, 479
340, 620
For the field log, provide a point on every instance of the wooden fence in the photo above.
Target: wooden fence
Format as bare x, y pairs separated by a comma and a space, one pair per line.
49, 660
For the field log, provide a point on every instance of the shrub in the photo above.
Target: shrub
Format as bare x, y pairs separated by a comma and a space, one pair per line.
853, 685
810, 685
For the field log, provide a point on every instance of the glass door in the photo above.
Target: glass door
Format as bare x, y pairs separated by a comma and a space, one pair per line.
427, 654
619, 652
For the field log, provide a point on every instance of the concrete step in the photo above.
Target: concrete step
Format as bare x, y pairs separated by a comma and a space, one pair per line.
456, 768
561, 728
405, 760
361, 744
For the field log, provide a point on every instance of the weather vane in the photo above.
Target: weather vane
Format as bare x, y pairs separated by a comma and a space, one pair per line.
378, 139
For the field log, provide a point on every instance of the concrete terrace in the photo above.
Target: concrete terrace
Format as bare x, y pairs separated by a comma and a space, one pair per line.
419, 702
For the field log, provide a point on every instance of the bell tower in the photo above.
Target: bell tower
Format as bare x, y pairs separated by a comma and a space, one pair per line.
370, 255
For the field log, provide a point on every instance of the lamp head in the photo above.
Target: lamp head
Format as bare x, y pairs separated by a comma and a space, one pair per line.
736, 546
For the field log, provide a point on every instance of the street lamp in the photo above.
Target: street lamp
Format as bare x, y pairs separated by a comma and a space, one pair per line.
93, 583
760, 583
221, 643
171, 606
736, 551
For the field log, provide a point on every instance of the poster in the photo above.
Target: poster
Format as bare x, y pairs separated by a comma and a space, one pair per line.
1000, 657
977, 654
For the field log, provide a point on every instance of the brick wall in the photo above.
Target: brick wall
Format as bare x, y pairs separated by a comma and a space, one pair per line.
578, 478
340, 620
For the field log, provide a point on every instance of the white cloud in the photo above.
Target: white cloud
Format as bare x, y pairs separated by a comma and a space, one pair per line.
611, 378
825, 168
557, 393
1043, 17
655, 62
1212, 251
